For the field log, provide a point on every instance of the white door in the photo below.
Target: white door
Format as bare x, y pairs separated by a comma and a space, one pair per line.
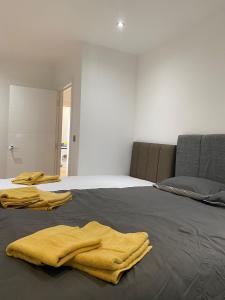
32, 131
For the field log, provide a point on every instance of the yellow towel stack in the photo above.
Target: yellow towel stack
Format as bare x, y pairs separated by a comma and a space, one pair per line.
18, 198
50, 200
32, 178
95, 249
118, 252
31, 197
52, 246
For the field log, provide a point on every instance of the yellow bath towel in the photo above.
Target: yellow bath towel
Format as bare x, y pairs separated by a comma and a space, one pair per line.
32, 178
19, 197
108, 275
50, 200
115, 249
31, 197
52, 246
118, 252
47, 179
27, 178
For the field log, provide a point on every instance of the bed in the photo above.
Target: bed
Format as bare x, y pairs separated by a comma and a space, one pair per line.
188, 237
85, 182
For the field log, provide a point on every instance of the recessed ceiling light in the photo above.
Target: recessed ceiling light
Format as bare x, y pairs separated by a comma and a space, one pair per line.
120, 25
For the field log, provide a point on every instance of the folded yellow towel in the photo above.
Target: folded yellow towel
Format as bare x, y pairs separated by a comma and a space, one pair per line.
108, 275
118, 252
50, 200
47, 179
52, 246
31, 197
27, 177
32, 178
115, 249
19, 197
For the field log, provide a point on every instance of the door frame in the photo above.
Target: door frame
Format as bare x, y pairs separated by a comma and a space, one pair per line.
58, 132
59, 129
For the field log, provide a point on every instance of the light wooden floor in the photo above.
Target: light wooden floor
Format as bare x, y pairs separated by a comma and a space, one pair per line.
63, 171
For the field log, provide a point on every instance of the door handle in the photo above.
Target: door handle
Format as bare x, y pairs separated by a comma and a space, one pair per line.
11, 147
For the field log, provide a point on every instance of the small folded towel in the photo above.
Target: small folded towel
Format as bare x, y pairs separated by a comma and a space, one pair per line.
52, 246
27, 178
50, 200
32, 178
47, 179
19, 197
113, 276
118, 252
31, 197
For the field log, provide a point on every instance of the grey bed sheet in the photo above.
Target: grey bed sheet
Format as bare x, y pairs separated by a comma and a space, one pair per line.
187, 260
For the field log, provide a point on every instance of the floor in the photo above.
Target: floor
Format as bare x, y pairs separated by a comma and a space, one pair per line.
63, 171
64, 163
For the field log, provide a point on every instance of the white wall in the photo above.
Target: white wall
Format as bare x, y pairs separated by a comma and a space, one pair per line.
103, 98
108, 88
68, 71
180, 90
181, 86
24, 74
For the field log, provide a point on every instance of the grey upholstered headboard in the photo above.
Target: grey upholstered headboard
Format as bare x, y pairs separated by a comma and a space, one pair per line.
201, 156
153, 162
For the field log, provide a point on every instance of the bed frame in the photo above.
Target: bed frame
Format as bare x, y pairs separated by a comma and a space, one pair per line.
195, 155
152, 162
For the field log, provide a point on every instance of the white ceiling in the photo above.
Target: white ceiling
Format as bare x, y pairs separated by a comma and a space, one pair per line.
47, 29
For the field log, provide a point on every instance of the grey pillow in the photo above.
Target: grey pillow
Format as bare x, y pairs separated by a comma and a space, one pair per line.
194, 184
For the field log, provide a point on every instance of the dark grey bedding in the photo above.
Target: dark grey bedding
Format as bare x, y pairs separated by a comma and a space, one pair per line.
198, 185
200, 189
187, 260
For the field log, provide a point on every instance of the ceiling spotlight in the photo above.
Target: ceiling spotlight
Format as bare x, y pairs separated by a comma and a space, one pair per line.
120, 25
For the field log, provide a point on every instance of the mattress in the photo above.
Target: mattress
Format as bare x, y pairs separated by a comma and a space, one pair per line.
187, 260
84, 182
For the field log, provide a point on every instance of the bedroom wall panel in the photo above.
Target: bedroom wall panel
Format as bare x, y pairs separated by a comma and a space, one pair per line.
180, 87
108, 92
68, 71
103, 94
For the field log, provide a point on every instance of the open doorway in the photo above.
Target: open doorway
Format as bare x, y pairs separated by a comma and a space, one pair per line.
65, 137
